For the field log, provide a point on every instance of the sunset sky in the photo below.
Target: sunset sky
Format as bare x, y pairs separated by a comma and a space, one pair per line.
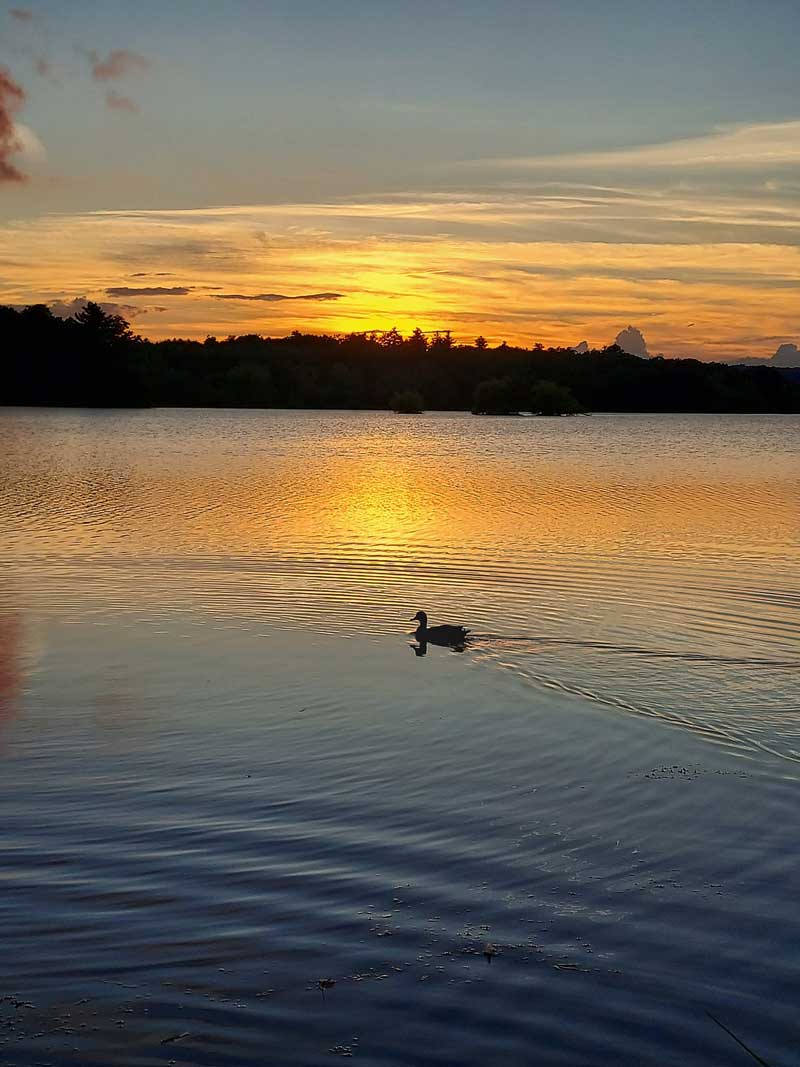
531, 171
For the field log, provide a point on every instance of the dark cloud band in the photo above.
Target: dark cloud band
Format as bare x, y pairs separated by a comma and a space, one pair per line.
272, 298
154, 290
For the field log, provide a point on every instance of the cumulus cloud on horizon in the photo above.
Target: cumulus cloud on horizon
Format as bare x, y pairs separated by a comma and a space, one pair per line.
788, 355
66, 309
632, 340
271, 298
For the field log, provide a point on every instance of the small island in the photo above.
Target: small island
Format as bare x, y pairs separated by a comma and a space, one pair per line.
407, 402
501, 396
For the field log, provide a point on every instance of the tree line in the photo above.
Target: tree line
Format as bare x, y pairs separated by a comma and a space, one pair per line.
94, 359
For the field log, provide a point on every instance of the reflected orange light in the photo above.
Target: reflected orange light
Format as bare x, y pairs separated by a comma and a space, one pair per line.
388, 491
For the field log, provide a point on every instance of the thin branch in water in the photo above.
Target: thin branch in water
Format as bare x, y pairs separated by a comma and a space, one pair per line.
738, 1040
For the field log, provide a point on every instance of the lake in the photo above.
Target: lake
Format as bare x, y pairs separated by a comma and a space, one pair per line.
245, 822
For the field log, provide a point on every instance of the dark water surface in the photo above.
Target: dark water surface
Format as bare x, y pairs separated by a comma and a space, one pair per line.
225, 774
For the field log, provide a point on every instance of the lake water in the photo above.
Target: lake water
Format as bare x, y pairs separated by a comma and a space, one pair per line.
225, 773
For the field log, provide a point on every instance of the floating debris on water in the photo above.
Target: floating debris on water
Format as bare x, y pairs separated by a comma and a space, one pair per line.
175, 1037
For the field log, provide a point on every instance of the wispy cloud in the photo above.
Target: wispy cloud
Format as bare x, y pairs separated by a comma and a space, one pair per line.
750, 146
21, 14
549, 264
156, 290
117, 64
117, 102
550, 210
272, 298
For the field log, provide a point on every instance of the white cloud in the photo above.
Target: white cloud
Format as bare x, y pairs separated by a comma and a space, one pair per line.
28, 144
750, 146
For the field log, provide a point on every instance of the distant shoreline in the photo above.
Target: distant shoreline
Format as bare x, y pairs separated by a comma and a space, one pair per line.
94, 360
430, 412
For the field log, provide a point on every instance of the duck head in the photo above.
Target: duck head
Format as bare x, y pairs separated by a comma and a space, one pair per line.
421, 618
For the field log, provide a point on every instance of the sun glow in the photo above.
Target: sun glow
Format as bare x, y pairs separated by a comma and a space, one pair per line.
470, 266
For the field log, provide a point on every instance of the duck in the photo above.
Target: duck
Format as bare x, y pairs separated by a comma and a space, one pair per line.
445, 634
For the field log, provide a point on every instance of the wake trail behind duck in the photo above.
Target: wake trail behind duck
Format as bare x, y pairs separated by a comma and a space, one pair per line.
538, 641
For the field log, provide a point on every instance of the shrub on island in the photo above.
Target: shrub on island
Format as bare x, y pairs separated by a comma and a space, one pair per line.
407, 402
548, 398
496, 396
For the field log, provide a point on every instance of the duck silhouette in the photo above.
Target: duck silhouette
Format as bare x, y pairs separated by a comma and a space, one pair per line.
446, 635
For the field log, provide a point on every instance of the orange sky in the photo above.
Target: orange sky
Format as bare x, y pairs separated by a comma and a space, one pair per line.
439, 263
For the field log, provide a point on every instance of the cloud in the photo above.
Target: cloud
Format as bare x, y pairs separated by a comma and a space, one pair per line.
117, 64
511, 282
271, 298
12, 97
581, 349
153, 274
65, 309
210, 251
117, 102
21, 14
632, 340
749, 146
788, 355
28, 144
157, 290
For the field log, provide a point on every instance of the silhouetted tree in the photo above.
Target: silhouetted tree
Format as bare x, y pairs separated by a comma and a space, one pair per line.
102, 328
392, 338
94, 359
110, 370
417, 343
